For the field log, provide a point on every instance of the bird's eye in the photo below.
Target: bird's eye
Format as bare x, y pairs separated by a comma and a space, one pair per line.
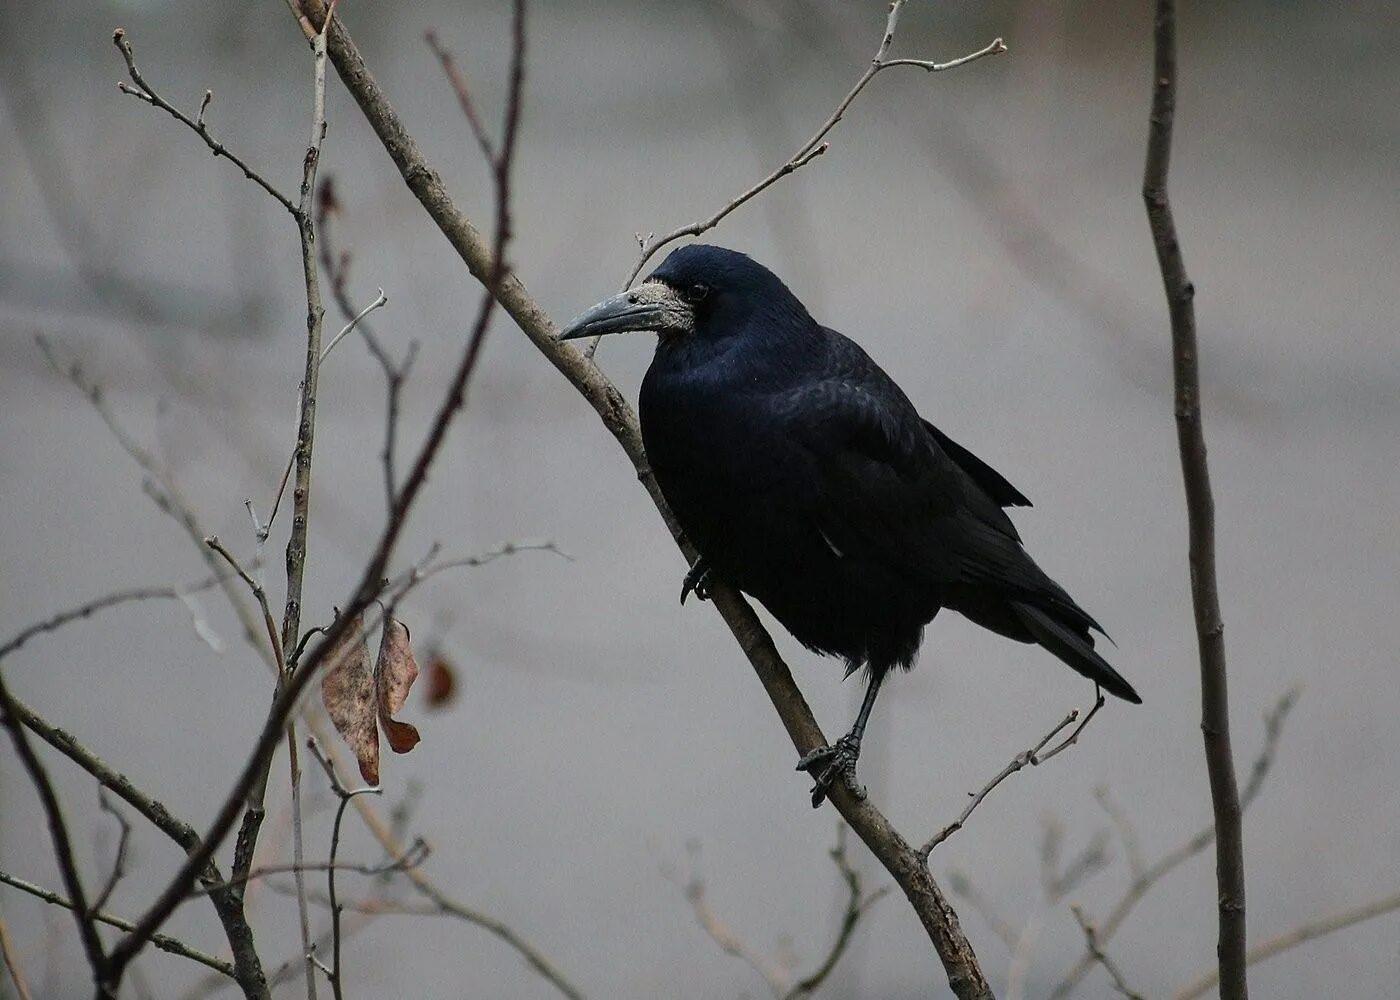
695, 293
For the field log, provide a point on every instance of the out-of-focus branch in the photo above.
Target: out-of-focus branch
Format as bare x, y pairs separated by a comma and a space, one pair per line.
164, 942
778, 975
934, 911
11, 960
1169, 862
1200, 511
858, 902
1298, 935
1095, 948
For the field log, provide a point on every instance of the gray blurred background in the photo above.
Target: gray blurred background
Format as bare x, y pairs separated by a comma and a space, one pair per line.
980, 232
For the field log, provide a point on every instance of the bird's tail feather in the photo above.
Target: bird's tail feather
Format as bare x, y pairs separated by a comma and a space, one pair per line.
1074, 648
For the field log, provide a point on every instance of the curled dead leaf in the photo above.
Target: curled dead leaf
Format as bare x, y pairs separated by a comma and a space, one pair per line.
348, 692
394, 674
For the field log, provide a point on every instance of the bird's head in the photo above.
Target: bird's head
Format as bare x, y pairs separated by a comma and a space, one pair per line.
698, 292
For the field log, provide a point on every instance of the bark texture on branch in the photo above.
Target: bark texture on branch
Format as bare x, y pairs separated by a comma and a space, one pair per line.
894, 852
1200, 510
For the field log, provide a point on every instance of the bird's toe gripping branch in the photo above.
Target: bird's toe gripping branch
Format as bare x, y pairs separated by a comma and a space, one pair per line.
697, 581
828, 764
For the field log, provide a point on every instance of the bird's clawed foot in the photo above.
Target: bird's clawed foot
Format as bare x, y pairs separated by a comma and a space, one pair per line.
697, 580
826, 765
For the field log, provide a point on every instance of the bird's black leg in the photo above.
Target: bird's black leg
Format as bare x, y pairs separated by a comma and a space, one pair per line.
826, 764
697, 579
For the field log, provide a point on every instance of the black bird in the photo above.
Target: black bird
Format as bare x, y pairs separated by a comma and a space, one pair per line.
806, 478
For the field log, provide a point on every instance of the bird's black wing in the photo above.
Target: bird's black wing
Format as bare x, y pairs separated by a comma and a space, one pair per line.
991, 481
884, 489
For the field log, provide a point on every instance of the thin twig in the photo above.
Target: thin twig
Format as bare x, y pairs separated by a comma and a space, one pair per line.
299, 861
379, 302
814, 146
164, 942
1023, 759
1298, 935
144, 92
441, 903
1095, 948
1200, 511
345, 796
413, 856
119, 860
696, 894
274, 642
336, 267
112, 600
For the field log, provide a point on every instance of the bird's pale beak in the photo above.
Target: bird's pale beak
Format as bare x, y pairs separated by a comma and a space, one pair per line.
652, 305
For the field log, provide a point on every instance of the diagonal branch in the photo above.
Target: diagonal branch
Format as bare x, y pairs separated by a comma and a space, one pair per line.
933, 909
164, 942
1200, 511
58, 833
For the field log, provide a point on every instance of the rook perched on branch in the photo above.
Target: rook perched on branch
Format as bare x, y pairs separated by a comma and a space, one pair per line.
806, 478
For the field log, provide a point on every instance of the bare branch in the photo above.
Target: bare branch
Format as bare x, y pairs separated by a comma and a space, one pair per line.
144, 92
62, 842
1200, 510
812, 148
1026, 758
1298, 935
119, 860
164, 942
247, 968
274, 643
930, 905
1091, 942
380, 301
112, 600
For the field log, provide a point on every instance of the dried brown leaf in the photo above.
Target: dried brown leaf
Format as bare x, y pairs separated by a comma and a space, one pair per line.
394, 674
347, 690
